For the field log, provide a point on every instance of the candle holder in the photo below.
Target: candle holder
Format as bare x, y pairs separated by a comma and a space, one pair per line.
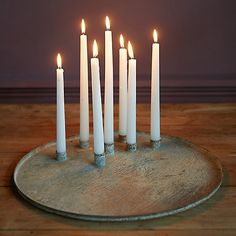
100, 160
156, 144
61, 156
139, 185
109, 149
132, 147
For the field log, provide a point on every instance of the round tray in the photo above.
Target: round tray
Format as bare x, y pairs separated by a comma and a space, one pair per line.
146, 184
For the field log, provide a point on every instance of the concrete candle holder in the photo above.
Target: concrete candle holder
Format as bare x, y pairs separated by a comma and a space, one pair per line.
145, 184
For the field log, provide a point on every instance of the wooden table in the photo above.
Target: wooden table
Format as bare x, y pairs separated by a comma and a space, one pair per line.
212, 126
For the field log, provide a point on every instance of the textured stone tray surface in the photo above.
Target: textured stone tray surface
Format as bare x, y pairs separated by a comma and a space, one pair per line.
133, 186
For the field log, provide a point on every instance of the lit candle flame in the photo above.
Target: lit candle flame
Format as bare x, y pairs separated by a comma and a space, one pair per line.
122, 44
59, 61
83, 26
95, 48
155, 36
130, 50
108, 25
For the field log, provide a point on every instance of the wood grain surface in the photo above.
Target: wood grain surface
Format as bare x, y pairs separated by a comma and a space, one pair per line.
212, 126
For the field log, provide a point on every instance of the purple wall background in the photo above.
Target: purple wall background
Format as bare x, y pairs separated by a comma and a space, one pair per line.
198, 39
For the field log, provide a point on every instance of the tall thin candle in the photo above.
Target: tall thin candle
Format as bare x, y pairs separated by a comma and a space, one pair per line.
61, 133
108, 106
97, 110
131, 111
84, 99
155, 94
122, 90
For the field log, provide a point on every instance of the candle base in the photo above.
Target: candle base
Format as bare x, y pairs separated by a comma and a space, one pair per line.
132, 147
100, 160
84, 144
156, 144
122, 138
61, 156
109, 149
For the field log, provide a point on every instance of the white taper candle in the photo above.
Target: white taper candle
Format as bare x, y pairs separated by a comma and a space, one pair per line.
61, 133
108, 101
84, 99
97, 104
155, 91
131, 110
122, 88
